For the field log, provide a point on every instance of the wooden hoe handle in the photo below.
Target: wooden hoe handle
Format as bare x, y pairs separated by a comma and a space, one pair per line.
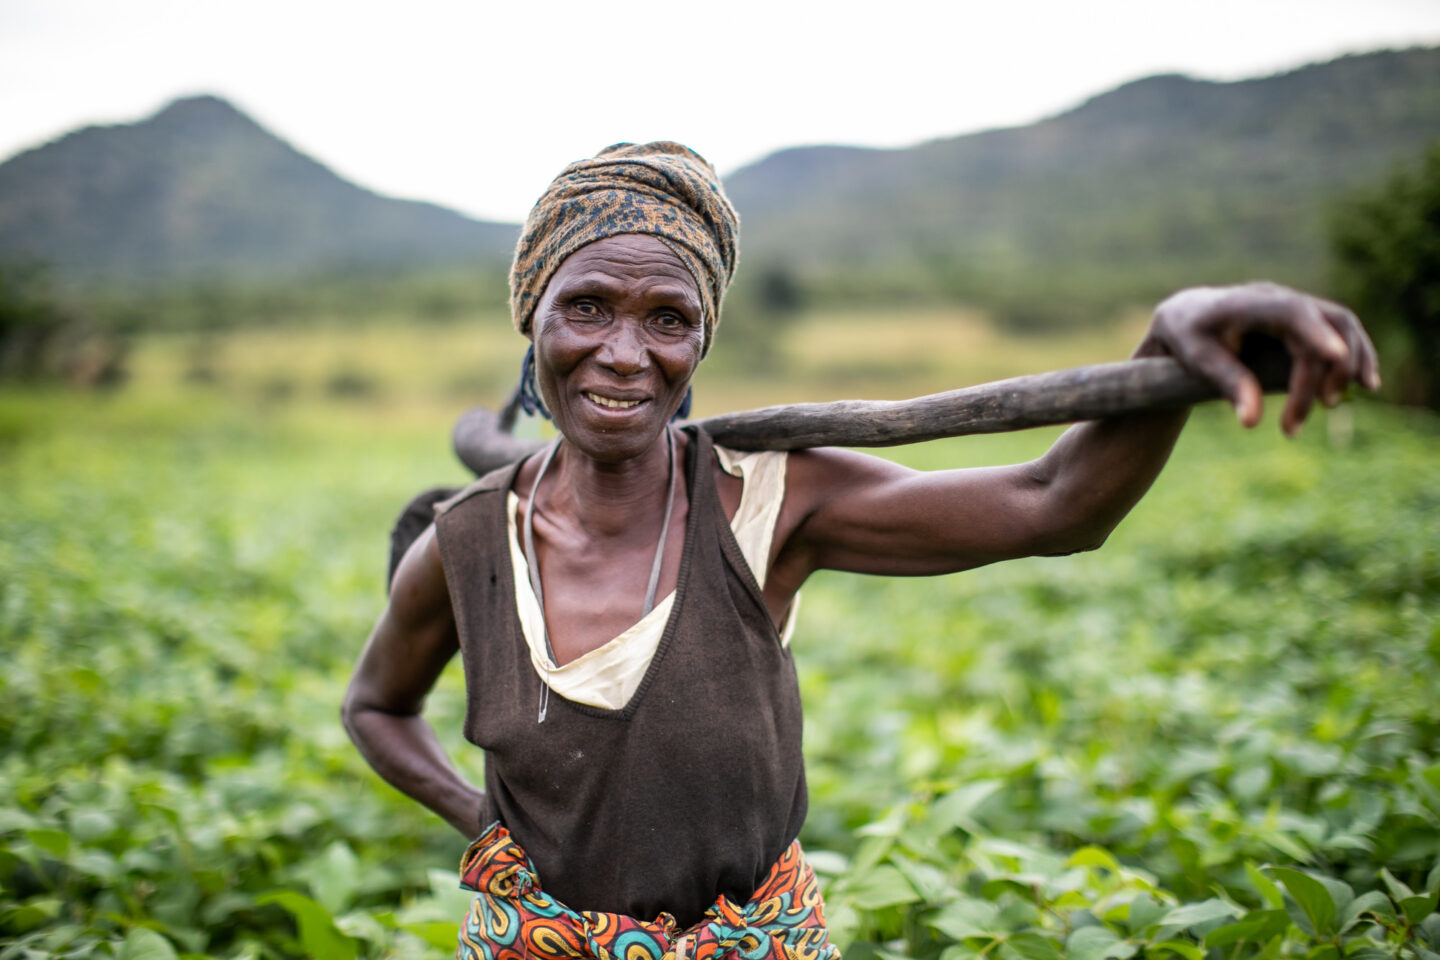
483, 441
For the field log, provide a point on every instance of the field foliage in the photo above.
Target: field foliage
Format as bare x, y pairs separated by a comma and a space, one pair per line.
1216, 737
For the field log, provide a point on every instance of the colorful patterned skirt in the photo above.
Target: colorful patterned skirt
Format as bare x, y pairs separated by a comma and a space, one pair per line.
511, 918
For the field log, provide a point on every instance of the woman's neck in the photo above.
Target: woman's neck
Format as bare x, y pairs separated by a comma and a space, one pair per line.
612, 499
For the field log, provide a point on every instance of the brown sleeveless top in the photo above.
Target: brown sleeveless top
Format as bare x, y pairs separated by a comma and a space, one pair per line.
697, 786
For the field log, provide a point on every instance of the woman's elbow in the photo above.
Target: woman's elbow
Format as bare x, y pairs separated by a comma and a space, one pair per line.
1071, 533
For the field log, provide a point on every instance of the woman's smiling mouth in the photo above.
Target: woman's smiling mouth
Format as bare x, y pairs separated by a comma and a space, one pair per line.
610, 402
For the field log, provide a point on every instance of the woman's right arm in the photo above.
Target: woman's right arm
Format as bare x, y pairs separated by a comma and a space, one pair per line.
411, 643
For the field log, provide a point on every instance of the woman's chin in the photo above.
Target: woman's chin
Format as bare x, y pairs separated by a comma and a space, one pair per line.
615, 436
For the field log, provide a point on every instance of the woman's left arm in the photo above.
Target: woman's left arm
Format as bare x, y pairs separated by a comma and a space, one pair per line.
854, 512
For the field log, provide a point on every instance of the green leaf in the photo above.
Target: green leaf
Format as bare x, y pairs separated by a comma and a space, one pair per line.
1098, 943
1430, 930
929, 881
12, 819
827, 863
145, 944
884, 886
1398, 890
1184, 948
1432, 882
1257, 926
956, 951
23, 919
1145, 910
88, 826
54, 842
1032, 945
1373, 902
1419, 907
871, 851
968, 918
1266, 887
1192, 914
437, 934
1094, 857
318, 933
1341, 893
333, 877
1313, 898
957, 808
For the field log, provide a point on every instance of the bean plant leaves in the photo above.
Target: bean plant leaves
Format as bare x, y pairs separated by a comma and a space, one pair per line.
1398, 889
333, 877
1144, 911
1430, 931
1417, 908
174, 666
145, 944
1032, 945
318, 932
1098, 943
1257, 926
957, 808
882, 886
1316, 914
1094, 857
969, 918
1373, 903
1181, 947
1264, 886
1197, 913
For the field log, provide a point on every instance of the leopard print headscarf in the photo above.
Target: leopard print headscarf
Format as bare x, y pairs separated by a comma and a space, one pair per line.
662, 189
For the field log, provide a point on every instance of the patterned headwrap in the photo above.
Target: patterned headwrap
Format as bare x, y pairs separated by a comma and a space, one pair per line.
662, 189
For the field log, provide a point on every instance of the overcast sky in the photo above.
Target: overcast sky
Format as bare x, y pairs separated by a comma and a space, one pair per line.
477, 105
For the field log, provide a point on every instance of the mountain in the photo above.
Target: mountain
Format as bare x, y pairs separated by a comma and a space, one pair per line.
1162, 181
200, 188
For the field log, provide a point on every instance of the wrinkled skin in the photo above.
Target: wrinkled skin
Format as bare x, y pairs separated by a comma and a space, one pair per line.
618, 337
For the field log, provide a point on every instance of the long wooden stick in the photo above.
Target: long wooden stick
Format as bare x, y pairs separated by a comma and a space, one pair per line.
1063, 396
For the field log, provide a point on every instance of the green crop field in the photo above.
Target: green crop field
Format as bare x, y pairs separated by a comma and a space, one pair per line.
1217, 737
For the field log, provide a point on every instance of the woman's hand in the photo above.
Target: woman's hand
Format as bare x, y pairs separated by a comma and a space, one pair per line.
1203, 327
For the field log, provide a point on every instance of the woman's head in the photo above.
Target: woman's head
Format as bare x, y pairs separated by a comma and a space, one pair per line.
662, 190
618, 332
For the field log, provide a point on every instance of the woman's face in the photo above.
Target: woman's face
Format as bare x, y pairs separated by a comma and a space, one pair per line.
618, 335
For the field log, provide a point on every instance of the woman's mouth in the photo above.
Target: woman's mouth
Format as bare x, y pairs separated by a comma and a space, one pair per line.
612, 403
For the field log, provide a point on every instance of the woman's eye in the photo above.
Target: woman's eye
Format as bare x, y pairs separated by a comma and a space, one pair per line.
586, 308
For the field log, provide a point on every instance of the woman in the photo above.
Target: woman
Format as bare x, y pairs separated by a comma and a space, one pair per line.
622, 600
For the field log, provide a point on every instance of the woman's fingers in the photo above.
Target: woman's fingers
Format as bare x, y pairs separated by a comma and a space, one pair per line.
1329, 349
1307, 376
1306, 329
1365, 365
1235, 381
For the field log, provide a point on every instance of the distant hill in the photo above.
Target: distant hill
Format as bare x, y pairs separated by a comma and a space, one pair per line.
201, 189
1162, 181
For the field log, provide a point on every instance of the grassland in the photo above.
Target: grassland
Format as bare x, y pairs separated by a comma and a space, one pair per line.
1208, 739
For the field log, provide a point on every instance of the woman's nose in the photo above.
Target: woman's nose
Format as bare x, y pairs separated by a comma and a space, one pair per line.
623, 349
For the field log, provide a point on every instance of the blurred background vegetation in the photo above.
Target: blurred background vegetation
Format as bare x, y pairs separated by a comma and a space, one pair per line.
223, 369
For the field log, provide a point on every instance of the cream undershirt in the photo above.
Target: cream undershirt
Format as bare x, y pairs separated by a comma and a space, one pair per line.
608, 675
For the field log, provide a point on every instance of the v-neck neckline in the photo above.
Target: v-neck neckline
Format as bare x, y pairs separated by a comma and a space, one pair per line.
693, 464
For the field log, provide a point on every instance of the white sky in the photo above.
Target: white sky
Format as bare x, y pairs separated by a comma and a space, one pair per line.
478, 104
